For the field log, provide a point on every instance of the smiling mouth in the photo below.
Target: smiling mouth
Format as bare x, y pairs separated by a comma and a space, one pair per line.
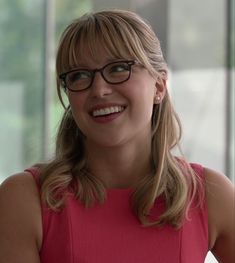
107, 111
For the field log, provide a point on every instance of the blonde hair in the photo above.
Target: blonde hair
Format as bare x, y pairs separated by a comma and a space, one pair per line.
122, 34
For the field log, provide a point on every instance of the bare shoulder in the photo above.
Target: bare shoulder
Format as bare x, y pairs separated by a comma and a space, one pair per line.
20, 219
18, 180
17, 189
220, 198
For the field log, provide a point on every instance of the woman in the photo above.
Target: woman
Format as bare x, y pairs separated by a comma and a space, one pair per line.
114, 192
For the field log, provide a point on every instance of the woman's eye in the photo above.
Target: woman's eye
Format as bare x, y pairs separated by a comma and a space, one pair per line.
119, 68
79, 75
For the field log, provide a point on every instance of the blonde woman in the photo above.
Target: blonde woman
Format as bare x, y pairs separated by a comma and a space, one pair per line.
114, 192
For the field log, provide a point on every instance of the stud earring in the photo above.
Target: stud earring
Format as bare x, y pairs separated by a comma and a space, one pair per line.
158, 99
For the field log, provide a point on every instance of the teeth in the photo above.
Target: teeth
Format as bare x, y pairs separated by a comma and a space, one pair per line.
107, 111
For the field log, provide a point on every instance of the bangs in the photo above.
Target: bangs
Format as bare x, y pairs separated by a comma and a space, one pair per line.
94, 43
92, 37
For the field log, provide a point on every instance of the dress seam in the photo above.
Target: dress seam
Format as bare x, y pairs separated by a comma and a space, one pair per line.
71, 239
180, 244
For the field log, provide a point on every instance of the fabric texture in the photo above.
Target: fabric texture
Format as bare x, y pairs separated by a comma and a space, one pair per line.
110, 232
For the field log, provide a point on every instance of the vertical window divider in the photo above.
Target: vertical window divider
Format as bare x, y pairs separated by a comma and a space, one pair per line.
229, 94
48, 70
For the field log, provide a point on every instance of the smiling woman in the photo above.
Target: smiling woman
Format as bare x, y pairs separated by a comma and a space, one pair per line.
114, 175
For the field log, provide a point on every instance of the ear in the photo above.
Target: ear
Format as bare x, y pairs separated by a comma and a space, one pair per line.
160, 91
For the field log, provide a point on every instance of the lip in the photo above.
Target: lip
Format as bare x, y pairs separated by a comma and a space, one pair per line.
107, 118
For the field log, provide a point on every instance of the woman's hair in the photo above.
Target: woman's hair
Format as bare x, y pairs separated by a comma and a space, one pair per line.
122, 34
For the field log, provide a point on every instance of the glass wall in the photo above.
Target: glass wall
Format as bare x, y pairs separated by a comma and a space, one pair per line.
197, 38
29, 109
197, 58
195, 44
21, 62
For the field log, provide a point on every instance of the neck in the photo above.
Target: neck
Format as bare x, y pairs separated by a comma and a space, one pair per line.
119, 166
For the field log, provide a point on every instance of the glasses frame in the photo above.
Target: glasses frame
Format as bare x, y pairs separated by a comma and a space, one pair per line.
63, 76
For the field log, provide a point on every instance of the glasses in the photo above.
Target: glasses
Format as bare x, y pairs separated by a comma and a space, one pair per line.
81, 79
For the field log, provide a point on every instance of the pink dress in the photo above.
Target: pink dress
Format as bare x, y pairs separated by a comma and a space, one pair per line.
111, 233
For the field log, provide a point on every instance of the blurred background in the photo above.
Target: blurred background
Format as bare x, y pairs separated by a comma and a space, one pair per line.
197, 39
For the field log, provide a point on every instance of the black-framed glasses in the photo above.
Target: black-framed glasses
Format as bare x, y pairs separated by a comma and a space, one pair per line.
113, 73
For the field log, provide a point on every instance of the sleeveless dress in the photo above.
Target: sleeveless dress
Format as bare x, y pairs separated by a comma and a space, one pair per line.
111, 233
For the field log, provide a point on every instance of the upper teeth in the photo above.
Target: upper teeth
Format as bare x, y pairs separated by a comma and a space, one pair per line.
108, 110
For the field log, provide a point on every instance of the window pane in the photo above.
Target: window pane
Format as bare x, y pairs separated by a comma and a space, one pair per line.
22, 79
20, 84
197, 53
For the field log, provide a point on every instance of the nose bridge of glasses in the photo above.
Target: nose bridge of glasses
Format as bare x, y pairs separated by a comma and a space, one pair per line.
98, 70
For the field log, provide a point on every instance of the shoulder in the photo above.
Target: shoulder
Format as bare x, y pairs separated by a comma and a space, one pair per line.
220, 199
18, 188
20, 211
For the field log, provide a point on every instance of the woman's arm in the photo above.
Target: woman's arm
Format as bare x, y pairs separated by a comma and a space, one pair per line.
20, 220
220, 198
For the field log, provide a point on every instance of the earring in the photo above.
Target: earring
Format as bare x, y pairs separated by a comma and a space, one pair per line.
158, 99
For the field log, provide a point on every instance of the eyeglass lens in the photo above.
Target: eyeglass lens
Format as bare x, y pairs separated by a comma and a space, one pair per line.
113, 73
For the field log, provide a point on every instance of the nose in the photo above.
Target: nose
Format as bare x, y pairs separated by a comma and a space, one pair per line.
100, 87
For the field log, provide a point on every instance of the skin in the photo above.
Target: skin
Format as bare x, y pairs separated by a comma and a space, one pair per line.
20, 213
221, 199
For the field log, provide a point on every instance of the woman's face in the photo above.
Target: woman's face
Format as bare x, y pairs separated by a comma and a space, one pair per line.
115, 114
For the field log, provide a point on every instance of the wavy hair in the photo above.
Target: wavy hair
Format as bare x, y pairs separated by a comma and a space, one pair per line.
122, 34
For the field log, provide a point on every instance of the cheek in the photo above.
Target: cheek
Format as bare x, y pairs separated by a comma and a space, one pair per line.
146, 102
77, 107
141, 108
76, 101
73, 98
144, 95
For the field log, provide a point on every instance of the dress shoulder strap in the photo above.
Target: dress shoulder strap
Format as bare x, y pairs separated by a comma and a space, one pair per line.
34, 171
199, 169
